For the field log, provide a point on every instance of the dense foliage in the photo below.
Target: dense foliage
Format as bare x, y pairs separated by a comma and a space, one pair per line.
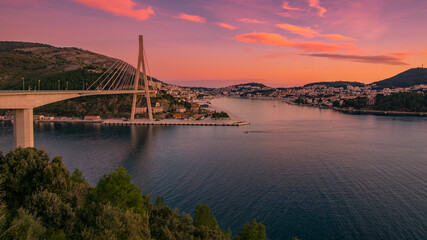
105, 106
356, 103
40, 199
403, 101
219, 115
411, 77
9, 45
336, 84
400, 102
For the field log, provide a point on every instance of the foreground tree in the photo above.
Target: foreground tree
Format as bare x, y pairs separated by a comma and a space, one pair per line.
203, 217
117, 189
252, 231
39, 199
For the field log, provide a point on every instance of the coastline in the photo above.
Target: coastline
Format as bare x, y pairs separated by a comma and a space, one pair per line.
233, 120
347, 110
378, 112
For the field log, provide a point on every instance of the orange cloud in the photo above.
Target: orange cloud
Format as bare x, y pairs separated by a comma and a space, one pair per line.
120, 8
379, 59
286, 6
423, 52
308, 32
265, 38
403, 55
225, 25
303, 31
316, 4
278, 40
338, 37
193, 18
250, 20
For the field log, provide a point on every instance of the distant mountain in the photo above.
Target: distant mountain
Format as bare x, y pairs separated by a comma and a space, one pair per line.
411, 77
336, 84
252, 84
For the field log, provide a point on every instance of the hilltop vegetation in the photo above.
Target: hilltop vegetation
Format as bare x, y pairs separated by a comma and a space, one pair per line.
400, 102
408, 78
34, 61
336, 84
63, 68
40, 199
9, 45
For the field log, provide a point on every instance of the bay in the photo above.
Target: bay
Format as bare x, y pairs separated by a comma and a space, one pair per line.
301, 171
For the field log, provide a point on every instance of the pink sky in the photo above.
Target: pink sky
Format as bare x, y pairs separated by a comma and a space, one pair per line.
223, 42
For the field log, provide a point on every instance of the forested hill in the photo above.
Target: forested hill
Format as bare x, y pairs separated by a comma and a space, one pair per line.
65, 68
411, 77
336, 84
34, 61
8, 45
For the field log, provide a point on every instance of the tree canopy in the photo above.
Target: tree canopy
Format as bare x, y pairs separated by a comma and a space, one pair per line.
40, 199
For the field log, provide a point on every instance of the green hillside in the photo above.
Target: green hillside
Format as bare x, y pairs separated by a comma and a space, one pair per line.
34, 61
411, 77
74, 69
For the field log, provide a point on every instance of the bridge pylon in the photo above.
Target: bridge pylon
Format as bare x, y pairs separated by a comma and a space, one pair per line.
141, 65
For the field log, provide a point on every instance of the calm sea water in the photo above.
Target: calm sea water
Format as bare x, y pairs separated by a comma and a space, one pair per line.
301, 171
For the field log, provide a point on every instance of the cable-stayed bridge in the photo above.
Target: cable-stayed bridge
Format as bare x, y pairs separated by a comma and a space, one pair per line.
119, 78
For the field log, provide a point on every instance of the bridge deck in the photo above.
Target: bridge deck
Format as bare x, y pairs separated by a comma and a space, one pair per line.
33, 99
82, 92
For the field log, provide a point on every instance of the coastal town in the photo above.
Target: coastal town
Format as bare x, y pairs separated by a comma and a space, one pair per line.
317, 94
192, 105
172, 105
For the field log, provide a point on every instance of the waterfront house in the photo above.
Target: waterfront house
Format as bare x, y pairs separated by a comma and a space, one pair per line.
46, 118
38, 117
181, 109
92, 118
177, 115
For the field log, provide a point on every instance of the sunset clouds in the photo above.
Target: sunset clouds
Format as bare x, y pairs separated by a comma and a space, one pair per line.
377, 59
338, 37
285, 5
225, 25
278, 40
311, 33
120, 8
251, 39
251, 20
192, 18
316, 4
320, 10
303, 31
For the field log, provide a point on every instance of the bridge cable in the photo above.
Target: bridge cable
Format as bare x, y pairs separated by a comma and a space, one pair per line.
119, 73
110, 71
119, 77
148, 68
112, 76
102, 75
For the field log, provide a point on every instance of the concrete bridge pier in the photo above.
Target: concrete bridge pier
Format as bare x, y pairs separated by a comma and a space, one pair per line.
23, 128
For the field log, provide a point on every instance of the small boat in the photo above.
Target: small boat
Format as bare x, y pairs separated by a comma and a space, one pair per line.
246, 131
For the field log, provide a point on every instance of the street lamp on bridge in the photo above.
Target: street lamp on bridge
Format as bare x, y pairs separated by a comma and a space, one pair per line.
59, 85
23, 84
39, 84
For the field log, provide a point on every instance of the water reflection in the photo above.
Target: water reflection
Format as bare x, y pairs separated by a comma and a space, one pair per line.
302, 171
